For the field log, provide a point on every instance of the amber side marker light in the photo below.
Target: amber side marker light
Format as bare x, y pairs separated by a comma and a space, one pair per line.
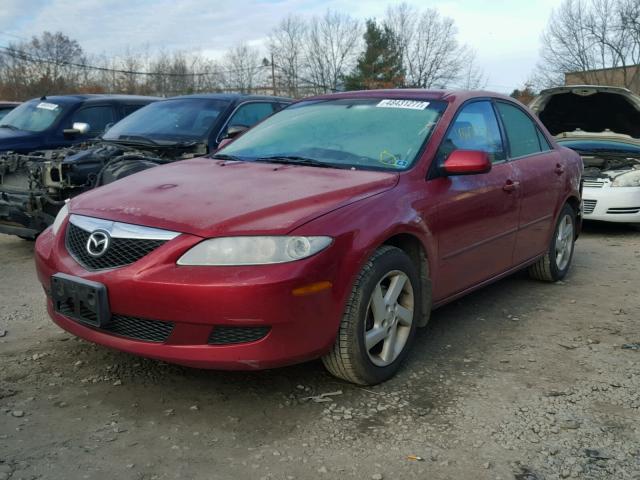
311, 288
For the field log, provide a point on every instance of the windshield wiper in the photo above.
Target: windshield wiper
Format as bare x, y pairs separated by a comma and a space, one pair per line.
138, 139
223, 156
10, 127
297, 160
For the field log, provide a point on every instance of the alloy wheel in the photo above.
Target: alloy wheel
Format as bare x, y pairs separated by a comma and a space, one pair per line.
564, 242
389, 318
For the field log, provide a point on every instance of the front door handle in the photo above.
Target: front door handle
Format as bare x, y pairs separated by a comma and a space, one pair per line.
559, 169
511, 186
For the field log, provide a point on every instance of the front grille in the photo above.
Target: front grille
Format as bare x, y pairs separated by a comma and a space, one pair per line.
122, 251
589, 205
129, 327
224, 335
593, 183
627, 210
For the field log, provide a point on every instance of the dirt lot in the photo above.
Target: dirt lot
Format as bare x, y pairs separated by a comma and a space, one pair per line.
520, 380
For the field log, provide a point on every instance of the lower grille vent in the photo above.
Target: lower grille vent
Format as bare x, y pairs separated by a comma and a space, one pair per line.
589, 205
225, 335
129, 327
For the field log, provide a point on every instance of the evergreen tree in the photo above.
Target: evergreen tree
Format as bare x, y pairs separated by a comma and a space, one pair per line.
380, 65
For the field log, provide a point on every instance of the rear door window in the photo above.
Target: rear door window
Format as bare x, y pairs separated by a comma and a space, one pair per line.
475, 128
249, 114
129, 109
97, 117
522, 133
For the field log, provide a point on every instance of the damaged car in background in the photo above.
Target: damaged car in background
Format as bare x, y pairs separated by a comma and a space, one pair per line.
602, 124
33, 187
63, 120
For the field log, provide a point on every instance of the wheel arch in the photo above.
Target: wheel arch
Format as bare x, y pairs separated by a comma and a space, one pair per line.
417, 252
576, 204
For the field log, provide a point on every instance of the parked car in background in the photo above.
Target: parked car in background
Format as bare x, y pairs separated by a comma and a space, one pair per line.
6, 107
34, 187
63, 120
330, 230
602, 124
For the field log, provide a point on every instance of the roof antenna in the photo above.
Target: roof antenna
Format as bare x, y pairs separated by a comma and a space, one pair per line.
43, 97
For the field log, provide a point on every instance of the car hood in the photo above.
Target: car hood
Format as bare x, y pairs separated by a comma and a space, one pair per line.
209, 197
588, 108
604, 136
10, 139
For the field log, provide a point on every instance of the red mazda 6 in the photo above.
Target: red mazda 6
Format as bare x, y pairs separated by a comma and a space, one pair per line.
330, 230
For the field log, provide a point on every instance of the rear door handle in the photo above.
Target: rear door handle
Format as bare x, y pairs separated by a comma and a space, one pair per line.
559, 169
511, 186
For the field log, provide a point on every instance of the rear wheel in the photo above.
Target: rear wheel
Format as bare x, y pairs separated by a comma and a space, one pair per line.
556, 262
379, 323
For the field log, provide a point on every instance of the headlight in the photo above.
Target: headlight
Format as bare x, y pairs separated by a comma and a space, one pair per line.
253, 250
631, 179
62, 214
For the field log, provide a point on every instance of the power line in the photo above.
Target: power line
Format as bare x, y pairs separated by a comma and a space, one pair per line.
22, 55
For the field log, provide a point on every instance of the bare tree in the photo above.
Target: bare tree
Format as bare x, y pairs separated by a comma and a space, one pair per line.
42, 65
286, 45
585, 36
472, 76
432, 54
401, 20
331, 48
242, 68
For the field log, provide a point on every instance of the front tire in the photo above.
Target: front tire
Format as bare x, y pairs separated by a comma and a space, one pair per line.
556, 262
379, 323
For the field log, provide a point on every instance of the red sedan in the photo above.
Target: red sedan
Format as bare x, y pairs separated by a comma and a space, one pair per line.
330, 230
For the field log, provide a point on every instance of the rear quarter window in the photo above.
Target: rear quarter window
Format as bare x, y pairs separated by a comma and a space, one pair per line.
522, 133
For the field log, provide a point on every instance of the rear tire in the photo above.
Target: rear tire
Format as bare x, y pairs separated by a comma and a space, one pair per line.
380, 319
555, 264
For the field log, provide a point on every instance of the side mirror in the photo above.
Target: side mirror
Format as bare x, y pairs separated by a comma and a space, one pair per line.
466, 162
235, 131
78, 128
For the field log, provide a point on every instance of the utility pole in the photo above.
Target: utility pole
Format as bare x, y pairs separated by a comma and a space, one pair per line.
273, 76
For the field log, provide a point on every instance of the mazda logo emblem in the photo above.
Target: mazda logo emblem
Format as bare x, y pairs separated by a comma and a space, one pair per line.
98, 243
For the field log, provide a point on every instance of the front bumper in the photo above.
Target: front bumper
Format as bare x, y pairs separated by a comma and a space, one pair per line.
199, 299
612, 204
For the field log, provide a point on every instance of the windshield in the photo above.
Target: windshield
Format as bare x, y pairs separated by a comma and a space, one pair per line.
358, 132
174, 120
4, 111
33, 116
596, 146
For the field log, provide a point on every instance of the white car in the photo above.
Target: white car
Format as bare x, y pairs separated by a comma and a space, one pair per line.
603, 125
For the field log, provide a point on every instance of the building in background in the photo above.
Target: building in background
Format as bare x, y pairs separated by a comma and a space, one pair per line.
627, 77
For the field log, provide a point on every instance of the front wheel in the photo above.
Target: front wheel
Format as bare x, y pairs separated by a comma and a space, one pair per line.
556, 262
379, 323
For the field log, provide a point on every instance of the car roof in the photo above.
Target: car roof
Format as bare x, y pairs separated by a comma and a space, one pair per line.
96, 97
414, 94
232, 97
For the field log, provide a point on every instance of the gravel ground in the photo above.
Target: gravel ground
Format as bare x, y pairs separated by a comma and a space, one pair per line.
521, 380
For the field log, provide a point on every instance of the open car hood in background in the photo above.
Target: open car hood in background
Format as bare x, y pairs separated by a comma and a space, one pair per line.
587, 108
603, 136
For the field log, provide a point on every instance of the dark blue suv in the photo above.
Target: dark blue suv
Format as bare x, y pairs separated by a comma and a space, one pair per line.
62, 121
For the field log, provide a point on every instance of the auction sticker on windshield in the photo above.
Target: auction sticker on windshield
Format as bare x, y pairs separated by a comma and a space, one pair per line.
47, 106
410, 104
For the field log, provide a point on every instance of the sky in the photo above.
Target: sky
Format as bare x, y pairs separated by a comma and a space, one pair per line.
505, 34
